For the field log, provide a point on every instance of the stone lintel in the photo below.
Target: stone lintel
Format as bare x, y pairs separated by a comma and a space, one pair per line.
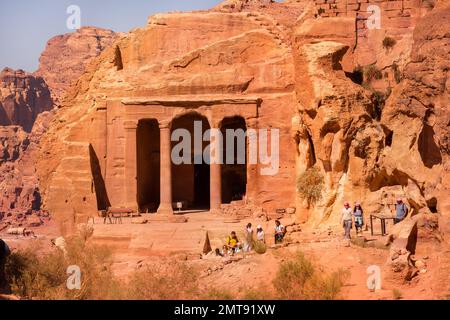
193, 101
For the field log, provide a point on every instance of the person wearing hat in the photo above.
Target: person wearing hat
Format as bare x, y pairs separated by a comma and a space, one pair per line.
260, 234
347, 219
358, 216
401, 210
248, 245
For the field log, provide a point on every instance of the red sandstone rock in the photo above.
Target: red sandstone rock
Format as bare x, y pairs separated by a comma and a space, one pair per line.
66, 56
22, 98
275, 65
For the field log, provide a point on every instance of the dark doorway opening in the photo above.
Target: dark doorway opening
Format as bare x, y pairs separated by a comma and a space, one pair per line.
148, 165
191, 181
234, 173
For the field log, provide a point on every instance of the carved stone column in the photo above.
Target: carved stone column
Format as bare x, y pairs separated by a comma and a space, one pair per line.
216, 173
165, 206
130, 164
252, 159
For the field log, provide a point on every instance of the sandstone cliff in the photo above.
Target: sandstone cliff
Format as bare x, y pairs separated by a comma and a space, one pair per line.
65, 57
22, 98
373, 120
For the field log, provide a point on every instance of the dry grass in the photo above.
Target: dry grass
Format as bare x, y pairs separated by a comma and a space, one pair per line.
217, 294
176, 281
310, 185
36, 276
397, 294
372, 72
299, 279
363, 243
259, 247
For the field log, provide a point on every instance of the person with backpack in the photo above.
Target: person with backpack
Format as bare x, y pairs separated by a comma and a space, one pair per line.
4, 253
401, 211
358, 217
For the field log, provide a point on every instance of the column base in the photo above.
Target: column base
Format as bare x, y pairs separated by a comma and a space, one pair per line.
165, 210
216, 211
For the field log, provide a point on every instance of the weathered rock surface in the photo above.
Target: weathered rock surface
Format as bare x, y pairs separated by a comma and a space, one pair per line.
20, 195
372, 139
370, 150
22, 97
66, 56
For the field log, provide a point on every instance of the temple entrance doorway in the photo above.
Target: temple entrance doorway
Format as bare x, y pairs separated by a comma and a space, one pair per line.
191, 181
148, 165
234, 172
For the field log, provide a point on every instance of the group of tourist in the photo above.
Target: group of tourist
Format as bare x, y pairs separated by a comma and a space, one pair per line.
233, 245
355, 216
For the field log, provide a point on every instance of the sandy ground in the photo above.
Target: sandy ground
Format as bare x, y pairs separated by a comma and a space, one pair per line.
156, 241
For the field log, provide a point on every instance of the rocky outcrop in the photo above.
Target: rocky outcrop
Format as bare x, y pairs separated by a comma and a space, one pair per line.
22, 97
372, 139
66, 56
417, 116
20, 195
13, 141
372, 147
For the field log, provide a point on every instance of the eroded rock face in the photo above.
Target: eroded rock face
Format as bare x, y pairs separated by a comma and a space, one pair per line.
300, 64
22, 98
13, 141
66, 56
24, 104
369, 150
20, 195
417, 116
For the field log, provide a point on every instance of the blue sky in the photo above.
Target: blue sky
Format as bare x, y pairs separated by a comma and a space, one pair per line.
26, 25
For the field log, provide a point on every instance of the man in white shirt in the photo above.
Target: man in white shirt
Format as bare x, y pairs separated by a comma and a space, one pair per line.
346, 219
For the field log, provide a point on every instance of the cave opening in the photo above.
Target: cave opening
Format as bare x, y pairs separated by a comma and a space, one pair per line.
428, 149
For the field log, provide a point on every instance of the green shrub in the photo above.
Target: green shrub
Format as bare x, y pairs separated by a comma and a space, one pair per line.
397, 294
310, 185
372, 72
389, 42
397, 73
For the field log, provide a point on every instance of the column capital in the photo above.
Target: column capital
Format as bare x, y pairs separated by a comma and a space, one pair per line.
130, 124
164, 124
252, 123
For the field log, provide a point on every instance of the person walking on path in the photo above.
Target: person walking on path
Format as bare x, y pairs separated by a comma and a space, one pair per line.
346, 220
358, 215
